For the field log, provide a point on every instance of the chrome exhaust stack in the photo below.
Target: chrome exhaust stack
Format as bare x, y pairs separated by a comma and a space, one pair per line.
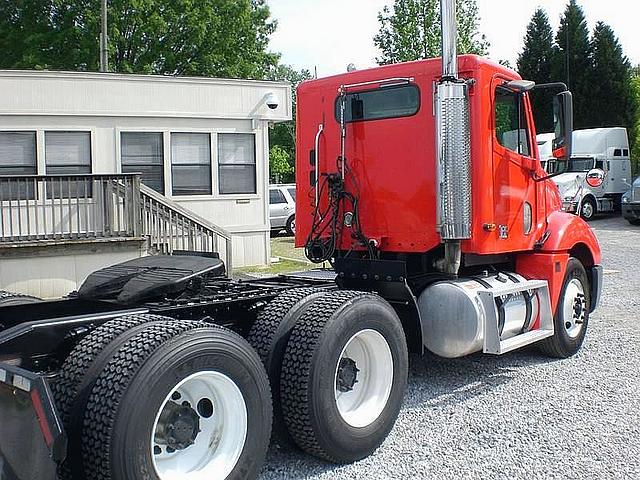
453, 137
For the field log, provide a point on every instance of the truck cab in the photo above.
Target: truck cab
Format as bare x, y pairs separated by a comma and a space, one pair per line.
606, 149
402, 197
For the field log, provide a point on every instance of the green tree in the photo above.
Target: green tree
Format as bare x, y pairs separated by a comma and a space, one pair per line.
280, 168
534, 63
635, 127
25, 33
410, 30
283, 134
572, 61
611, 99
222, 38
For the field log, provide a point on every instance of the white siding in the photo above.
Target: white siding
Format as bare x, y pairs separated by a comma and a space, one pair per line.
107, 104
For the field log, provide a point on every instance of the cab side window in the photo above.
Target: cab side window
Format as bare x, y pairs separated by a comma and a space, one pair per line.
511, 123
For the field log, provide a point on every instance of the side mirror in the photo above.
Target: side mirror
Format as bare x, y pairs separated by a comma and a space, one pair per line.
563, 128
595, 177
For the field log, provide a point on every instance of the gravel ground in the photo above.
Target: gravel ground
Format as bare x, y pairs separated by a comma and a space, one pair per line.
519, 416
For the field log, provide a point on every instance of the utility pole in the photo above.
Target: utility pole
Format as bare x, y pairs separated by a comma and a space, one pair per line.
104, 40
566, 51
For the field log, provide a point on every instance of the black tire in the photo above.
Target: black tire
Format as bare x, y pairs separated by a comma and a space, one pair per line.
134, 384
78, 374
561, 345
291, 225
269, 336
591, 211
10, 298
308, 379
634, 221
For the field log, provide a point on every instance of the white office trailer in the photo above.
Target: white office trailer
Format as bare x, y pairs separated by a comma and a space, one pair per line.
200, 143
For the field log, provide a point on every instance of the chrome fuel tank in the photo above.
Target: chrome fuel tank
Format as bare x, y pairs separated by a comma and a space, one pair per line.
453, 315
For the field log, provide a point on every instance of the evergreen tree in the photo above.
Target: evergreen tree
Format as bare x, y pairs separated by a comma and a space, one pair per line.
611, 101
635, 127
572, 62
535, 63
410, 30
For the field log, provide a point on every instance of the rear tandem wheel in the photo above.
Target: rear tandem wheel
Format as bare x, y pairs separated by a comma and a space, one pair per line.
344, 375
167, 399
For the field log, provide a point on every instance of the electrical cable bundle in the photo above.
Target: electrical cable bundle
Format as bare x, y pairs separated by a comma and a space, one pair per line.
326, 229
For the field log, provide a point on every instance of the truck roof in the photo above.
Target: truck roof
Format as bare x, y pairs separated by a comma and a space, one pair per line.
430, 66
594, 141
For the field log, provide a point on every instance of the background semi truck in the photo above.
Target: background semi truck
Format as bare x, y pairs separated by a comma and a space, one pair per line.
421, 184
606, 149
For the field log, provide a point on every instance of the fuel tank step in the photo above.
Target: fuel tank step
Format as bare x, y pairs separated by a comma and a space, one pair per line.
490, 298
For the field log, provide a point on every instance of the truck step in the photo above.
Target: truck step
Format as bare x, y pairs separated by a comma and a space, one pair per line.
493, 344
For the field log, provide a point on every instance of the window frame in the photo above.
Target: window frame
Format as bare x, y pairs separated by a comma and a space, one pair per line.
42, 137
29, 196
36, 143
379, 89
219, 164
521, 111
169, 154
157, 131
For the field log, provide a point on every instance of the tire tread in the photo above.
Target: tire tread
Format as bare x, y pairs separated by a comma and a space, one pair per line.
297, 365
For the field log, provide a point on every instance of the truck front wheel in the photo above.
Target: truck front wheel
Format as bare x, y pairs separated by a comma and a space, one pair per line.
178, 400
572, 313
344, 375
588, 209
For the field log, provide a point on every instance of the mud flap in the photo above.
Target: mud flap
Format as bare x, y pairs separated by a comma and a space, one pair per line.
32, 441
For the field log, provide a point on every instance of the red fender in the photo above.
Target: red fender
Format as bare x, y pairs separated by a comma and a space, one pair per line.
569, 235
568, 232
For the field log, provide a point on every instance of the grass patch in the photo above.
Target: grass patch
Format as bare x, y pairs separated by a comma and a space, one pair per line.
292, 259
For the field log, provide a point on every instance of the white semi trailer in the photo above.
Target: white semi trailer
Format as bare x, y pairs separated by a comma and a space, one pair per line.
603, 148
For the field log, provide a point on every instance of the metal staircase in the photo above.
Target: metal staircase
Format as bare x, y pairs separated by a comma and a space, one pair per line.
42, 210
169, 226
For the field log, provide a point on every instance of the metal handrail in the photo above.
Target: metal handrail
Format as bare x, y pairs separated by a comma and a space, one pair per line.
67, 207
94, 207
169, 226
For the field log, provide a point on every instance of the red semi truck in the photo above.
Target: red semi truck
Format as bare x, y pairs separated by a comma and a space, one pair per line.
422, 187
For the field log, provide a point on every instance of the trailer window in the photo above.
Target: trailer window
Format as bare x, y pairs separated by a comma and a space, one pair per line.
384, 102
191, 163
17, 157
143, 152
511, 122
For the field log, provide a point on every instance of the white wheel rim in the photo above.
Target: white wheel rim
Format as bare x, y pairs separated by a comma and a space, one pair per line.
364, 402
587, 210
293, 226
217, 447
574, 308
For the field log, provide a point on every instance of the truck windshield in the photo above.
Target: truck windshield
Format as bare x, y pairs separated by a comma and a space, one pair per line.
578, 164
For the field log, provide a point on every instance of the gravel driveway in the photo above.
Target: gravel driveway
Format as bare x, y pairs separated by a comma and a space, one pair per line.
519, 416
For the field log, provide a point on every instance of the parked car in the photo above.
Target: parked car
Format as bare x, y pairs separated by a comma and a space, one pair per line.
631, 203
282, 208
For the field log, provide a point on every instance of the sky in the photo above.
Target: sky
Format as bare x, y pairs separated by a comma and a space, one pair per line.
330, 34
